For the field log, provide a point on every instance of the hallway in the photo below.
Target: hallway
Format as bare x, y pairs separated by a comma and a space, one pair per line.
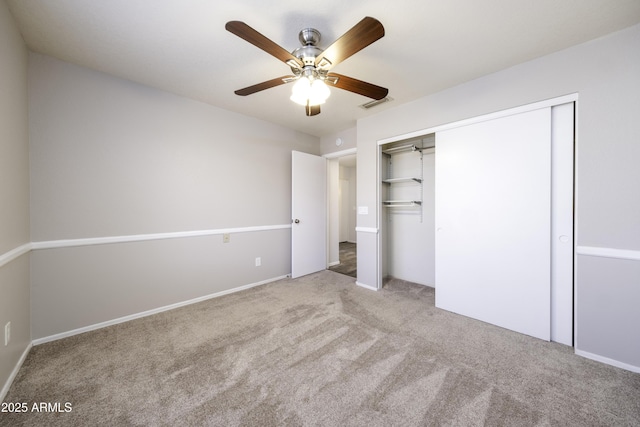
348, 260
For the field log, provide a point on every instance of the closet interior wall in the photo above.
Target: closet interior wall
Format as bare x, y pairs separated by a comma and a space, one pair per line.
407, 220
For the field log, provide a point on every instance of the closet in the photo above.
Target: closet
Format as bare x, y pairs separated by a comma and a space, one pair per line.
488, 219
407, 216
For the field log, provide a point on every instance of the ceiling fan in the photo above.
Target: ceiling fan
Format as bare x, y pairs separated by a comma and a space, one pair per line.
310, 65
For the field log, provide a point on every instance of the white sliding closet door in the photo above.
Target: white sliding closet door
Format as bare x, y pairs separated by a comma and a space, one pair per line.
493, 190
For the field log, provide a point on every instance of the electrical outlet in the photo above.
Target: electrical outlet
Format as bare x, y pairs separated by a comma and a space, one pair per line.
258, 262
7, 333
226, 238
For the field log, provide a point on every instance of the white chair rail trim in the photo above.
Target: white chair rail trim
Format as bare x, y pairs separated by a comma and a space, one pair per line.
9, 256
372, 230
608, 252
51, 244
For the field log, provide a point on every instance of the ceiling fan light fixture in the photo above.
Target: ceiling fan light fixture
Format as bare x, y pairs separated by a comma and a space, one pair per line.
300, 91
319, 93
309, 92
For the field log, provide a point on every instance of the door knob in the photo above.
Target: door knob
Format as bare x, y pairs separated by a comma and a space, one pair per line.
297, 221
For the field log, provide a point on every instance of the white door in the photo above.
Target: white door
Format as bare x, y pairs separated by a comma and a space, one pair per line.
493, 190
308, 213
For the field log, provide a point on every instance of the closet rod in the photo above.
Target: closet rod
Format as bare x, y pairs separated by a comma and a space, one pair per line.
403, 203
411, 147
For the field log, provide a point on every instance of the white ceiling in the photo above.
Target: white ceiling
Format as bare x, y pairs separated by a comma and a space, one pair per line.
181, 46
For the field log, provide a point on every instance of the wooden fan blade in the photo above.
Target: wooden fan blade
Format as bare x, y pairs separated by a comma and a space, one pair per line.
357, 38
357, 86
262, 86
312, 110
247, 33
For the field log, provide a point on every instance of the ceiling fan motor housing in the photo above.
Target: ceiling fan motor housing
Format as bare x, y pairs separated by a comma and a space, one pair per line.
307, 53
309, 36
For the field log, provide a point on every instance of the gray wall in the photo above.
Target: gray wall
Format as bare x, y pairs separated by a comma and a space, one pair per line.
605, 74
112, 158
14, 197
348, 137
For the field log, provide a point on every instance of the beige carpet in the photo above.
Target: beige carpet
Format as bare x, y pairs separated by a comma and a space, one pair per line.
319, 351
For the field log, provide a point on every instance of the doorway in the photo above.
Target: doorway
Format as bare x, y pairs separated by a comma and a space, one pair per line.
342, 247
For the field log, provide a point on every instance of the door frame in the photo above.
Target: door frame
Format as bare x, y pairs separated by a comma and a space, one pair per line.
552, 102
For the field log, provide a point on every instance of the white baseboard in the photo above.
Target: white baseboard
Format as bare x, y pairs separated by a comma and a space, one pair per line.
362, 285
608, 361
101, 325
333, 264
16, 369
609, 252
